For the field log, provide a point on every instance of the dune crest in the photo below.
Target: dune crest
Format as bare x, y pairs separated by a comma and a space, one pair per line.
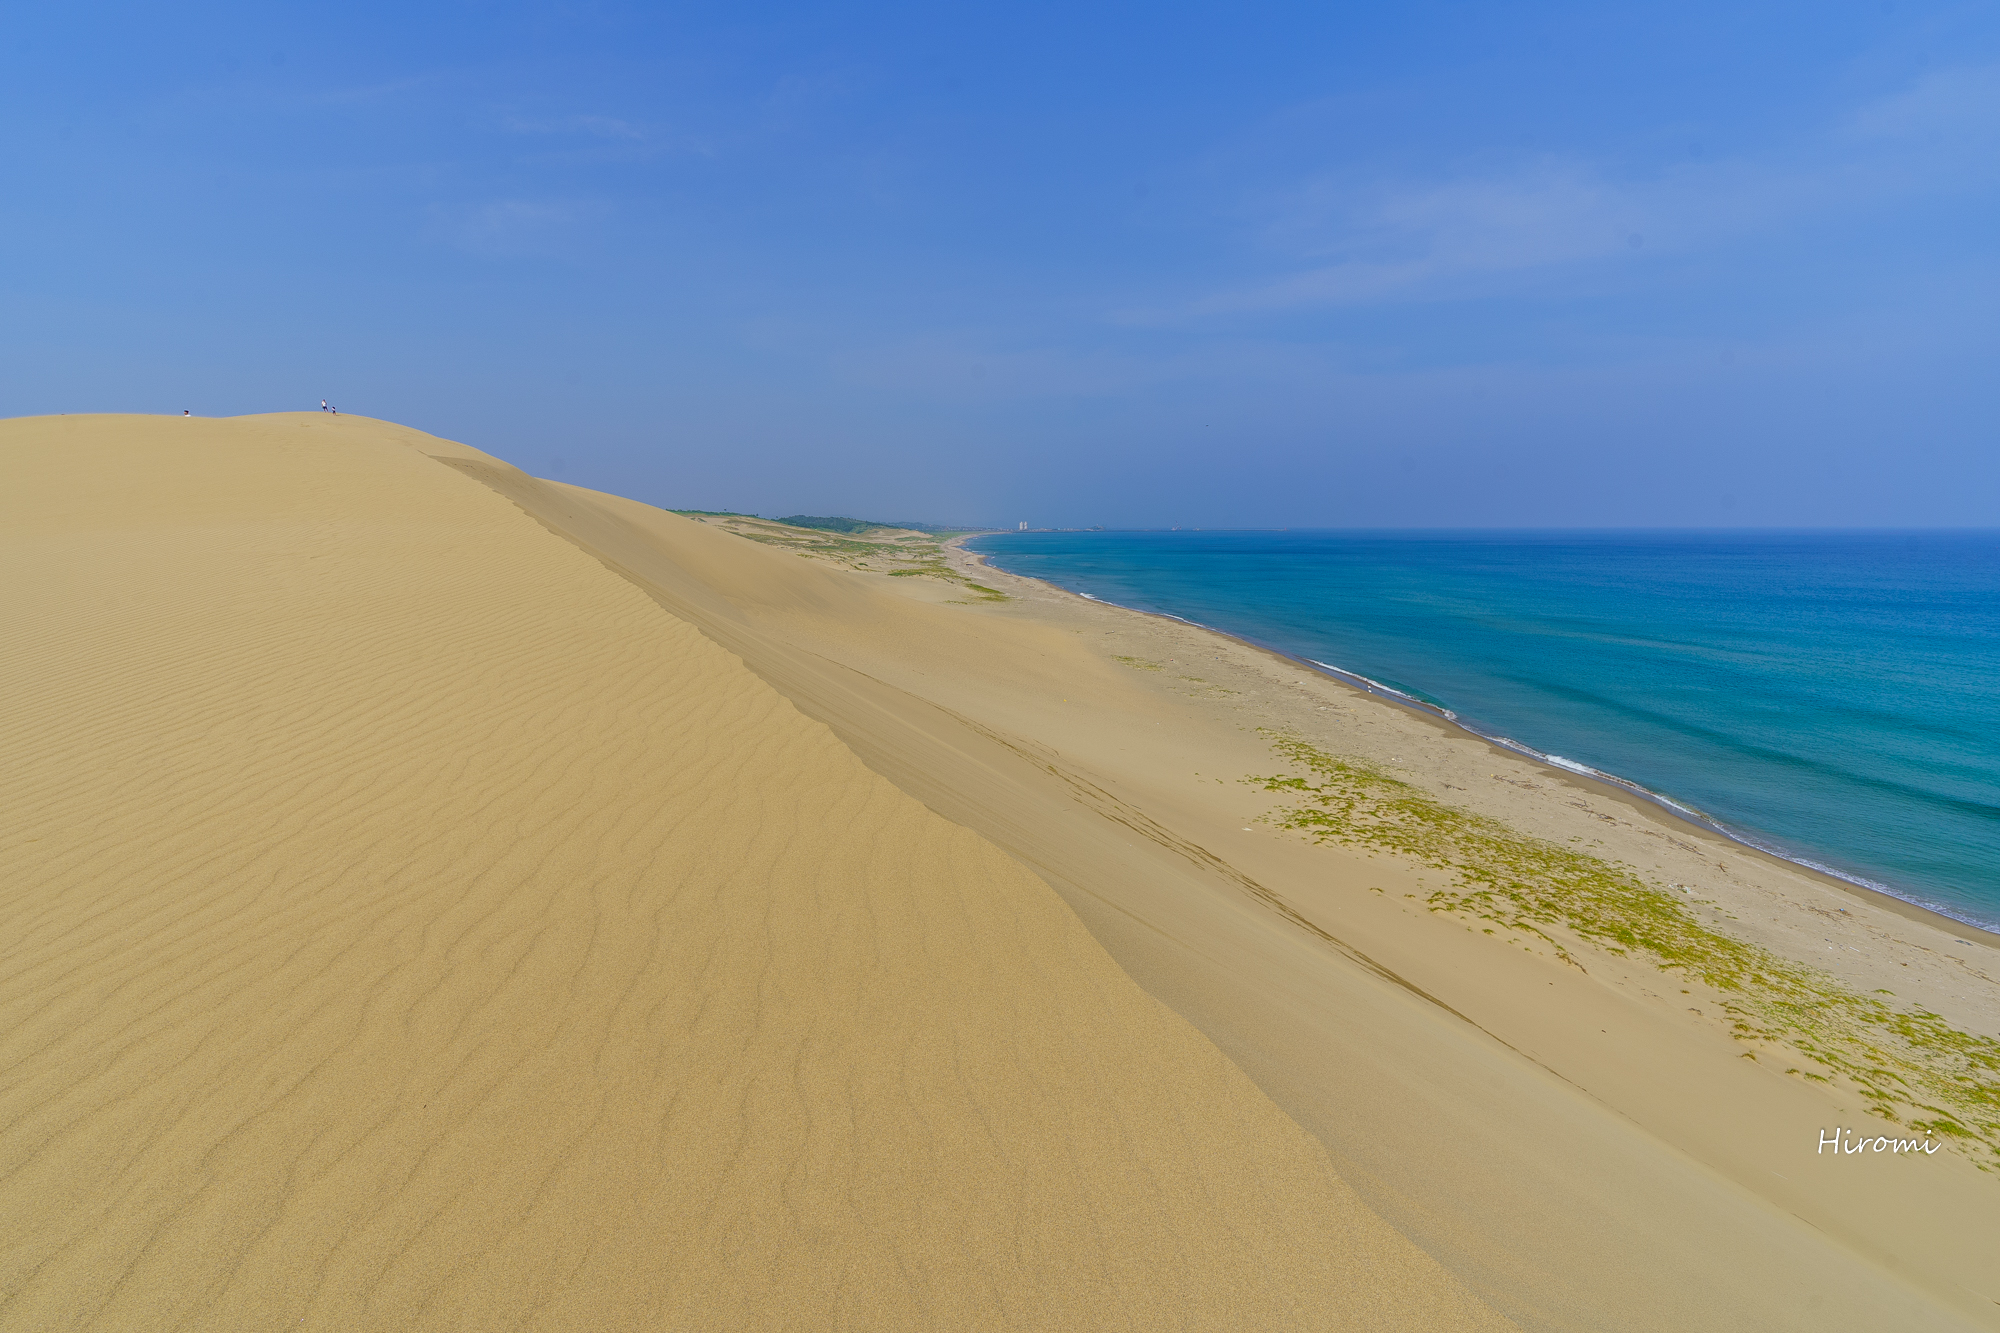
414, 925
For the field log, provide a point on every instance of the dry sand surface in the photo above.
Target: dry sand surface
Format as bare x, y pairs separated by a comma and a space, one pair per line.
442, 898
411, 924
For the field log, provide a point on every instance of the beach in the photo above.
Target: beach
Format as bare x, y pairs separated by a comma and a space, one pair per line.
1822, 696
444, 898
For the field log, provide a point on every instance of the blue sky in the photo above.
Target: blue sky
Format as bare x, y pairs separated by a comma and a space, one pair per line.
1427, 264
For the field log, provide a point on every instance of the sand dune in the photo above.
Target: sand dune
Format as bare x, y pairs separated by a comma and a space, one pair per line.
411, 923
1585, 1149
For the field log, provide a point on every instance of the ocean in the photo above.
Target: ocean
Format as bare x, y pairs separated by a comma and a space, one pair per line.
1831, 697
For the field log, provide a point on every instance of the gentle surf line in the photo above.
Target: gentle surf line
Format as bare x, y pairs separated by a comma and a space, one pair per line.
1685, 813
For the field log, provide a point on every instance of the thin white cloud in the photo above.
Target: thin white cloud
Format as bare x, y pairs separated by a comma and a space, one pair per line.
517, 228
379, 92
581, 139
970, 368
1388, 242
1451, 239
597, 127
981, 367
1955, 105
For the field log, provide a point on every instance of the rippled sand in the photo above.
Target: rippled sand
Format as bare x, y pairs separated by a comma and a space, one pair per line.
411, 923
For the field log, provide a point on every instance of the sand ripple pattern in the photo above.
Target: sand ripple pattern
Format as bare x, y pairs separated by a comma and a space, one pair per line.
410, 925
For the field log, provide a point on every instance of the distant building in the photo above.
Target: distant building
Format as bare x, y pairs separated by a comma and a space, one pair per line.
1024, 525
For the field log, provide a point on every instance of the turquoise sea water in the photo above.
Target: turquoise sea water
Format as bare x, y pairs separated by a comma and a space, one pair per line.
1831, 697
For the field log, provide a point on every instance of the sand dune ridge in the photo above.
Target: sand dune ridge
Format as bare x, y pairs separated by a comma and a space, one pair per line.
412, 925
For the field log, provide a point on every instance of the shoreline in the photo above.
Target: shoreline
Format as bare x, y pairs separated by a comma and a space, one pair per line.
1622, 789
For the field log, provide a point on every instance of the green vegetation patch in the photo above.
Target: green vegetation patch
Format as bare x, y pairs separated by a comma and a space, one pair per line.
1141, 663
830, 524
1910, 1065
897, 553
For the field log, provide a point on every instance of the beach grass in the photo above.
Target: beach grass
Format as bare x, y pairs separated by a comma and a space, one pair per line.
1909, 1065
897, 552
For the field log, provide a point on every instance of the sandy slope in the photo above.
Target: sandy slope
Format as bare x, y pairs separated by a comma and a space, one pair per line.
411, 924
1586, 1151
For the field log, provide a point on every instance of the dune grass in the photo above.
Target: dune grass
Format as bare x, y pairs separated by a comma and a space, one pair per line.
1909, 1065
897, 552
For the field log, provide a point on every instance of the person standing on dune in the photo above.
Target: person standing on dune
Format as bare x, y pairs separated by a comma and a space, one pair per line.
322, 404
